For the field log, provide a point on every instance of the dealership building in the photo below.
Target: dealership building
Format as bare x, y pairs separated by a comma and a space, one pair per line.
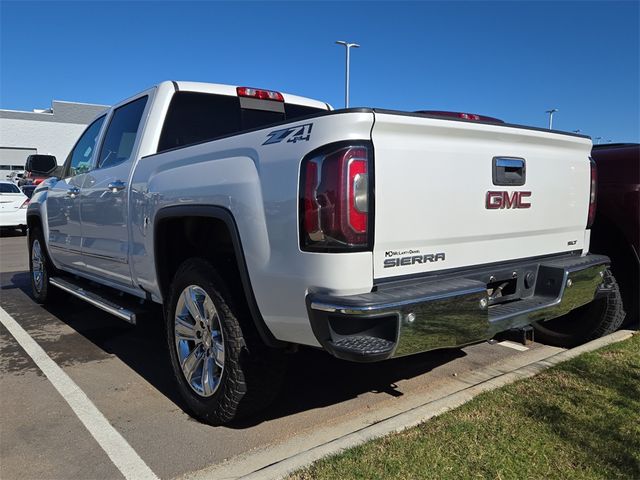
52, 131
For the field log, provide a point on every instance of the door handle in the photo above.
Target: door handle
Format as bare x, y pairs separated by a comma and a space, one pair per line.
116, 186
509, 171
73, 192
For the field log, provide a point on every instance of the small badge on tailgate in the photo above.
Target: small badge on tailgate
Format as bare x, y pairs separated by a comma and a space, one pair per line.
409, 257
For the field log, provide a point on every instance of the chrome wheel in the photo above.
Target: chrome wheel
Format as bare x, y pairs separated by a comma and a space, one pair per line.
37, 265
199, 340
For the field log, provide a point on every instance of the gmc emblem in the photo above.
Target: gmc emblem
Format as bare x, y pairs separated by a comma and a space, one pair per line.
495, 200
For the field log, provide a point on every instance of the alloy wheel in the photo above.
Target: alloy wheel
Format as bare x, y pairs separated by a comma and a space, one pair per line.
37, 265
199, 340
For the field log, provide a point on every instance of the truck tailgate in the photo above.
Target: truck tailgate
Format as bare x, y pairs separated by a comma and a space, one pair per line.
432, 183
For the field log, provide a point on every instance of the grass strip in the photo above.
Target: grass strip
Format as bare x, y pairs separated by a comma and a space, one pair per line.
579, 419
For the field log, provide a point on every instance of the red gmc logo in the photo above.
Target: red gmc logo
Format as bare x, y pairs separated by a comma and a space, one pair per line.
495, 200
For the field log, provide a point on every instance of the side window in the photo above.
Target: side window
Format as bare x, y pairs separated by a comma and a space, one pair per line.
81, 154
121, 133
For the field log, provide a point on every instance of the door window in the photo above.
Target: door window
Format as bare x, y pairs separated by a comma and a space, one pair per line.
121, 135
83, 151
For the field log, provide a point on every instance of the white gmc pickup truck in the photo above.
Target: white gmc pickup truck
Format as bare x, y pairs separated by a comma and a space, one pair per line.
262, 221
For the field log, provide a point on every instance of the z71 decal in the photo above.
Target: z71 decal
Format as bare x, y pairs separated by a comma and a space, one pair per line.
300, 133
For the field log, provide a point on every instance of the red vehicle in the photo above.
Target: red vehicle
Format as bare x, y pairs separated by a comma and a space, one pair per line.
38, 168
616, 231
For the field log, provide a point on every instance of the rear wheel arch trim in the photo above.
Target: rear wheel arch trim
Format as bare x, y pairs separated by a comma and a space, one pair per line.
224, 215
36, 218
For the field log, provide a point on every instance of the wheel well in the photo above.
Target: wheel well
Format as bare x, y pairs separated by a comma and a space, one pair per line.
180, 238
209, 233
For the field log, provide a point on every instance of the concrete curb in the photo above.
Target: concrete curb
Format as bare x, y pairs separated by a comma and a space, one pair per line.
277, 461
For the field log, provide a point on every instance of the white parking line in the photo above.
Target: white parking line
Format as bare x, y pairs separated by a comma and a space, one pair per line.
123, 456
514, 345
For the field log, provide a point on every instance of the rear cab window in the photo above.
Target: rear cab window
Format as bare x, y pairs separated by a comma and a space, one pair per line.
195, 117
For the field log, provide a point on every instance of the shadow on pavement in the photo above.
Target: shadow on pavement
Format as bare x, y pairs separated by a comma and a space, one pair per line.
6, 232
314, 379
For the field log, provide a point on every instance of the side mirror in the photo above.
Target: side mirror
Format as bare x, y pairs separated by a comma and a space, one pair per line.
41, 164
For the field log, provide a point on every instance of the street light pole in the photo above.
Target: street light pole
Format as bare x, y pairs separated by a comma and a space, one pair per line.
598, 140
348, 46
551, 112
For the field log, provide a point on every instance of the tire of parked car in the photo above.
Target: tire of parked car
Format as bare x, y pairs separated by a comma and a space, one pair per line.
223, 370
596, 319
40, 268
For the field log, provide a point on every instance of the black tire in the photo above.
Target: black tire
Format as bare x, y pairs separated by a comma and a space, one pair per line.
252, 372
596, 319
41, 290
23, 229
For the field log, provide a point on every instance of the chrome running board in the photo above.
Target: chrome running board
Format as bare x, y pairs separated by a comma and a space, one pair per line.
94, 299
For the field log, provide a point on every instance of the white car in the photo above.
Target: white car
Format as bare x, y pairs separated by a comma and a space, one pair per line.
13, 206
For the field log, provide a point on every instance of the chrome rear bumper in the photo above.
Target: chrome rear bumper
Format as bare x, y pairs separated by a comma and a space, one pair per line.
451, 310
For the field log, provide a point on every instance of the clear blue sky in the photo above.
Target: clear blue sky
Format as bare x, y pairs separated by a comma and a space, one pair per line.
512, 60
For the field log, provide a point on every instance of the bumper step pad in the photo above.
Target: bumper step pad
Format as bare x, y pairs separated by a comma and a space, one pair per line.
364, 345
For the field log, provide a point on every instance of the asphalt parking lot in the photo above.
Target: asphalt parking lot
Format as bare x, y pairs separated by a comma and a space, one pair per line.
124, 371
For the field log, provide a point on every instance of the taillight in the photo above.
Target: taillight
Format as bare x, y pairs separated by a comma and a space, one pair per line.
311, 208
25, 204
466, 116
259, 94
593, 194
335, 204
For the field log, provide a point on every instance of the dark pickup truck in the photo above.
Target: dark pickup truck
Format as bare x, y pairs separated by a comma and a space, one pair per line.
616, 231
